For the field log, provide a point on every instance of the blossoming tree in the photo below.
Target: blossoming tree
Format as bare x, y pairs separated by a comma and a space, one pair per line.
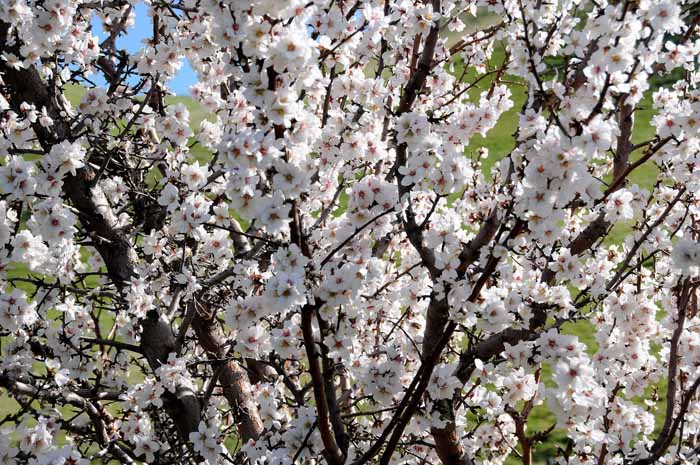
339, 280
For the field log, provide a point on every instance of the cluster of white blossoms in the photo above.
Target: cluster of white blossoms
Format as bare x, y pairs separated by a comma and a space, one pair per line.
686, 256
331, 266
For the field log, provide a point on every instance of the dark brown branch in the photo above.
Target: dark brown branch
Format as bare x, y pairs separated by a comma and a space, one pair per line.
97, 415
639, 242
233, 378
353, 235
117, 344
332, 451
685, 291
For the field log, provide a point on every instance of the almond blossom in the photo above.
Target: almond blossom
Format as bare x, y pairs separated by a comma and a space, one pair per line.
402, 231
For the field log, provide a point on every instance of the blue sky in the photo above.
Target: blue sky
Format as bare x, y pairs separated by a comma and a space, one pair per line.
132, 41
